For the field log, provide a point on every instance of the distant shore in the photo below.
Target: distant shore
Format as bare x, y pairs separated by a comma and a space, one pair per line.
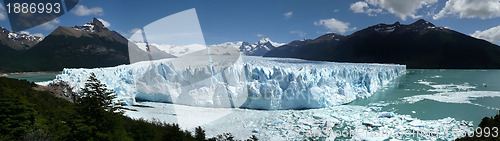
28, 73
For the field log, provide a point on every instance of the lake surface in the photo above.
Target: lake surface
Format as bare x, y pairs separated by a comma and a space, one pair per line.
35, 77
431, 82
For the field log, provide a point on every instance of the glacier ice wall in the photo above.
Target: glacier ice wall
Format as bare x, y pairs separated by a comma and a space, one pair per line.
247, 82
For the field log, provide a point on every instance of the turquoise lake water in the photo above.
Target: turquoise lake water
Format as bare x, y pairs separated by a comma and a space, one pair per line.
416, 82
36, 77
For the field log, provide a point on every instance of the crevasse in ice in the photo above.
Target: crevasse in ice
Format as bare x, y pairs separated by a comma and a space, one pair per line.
246, 82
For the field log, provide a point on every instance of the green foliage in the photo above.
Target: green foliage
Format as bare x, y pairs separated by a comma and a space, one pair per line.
28, 114
17, 116
489, 122
96, 97
199, 134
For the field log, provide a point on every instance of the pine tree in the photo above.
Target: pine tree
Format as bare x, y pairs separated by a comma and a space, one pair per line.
97, 117
199, 134
97, 96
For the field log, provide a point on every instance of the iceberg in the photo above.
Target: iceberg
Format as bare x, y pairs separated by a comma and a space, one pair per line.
221, 77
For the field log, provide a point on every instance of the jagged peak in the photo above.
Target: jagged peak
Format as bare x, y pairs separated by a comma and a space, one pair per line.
422, 22
264, 40
97, 22
94, 25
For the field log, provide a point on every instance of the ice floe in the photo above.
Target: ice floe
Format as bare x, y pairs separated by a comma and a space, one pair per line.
338, 122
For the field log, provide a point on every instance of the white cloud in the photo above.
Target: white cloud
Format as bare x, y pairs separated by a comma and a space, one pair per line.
400, 8
38, 34
105, 23
288, 15
359, 7
51, 24
81, 10
261, 35
298, 33
484, 9
334, 25
492, 34
28, 33
3, 14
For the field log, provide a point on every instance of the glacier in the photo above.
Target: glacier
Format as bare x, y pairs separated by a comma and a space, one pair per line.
225, 78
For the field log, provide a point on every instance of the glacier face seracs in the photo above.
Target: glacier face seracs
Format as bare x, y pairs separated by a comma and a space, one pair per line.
232, 80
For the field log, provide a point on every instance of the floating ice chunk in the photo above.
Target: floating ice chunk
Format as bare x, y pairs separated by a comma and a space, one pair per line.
318, 116
453, 97
417, 123
369, 136
331, 122
446, 87
386, 115
278, 121
447, 120
436, 76
371, 124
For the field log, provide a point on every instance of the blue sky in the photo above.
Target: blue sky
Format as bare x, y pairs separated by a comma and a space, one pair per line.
285, 20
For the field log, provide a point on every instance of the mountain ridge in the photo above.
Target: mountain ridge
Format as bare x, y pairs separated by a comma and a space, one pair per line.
68, 47
420, 45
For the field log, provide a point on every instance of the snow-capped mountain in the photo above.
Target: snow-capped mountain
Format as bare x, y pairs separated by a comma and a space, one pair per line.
231, 44
18, 41
172, 49
257, 49
90, 45
24, 37
92, 26
260, 48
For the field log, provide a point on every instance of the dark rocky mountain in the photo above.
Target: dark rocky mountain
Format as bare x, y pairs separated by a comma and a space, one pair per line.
417, 45
87, 46
17, 41
303, 48
12, 45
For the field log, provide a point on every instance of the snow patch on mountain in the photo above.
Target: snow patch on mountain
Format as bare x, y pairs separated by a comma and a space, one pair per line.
92, 26
23, 36
257, 49
173, 49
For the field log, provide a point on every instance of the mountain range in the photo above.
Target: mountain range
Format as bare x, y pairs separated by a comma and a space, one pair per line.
93, 45
257, 49
86, 46
420, 45
417, 45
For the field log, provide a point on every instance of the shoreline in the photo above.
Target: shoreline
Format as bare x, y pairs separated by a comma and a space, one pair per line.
27, 73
